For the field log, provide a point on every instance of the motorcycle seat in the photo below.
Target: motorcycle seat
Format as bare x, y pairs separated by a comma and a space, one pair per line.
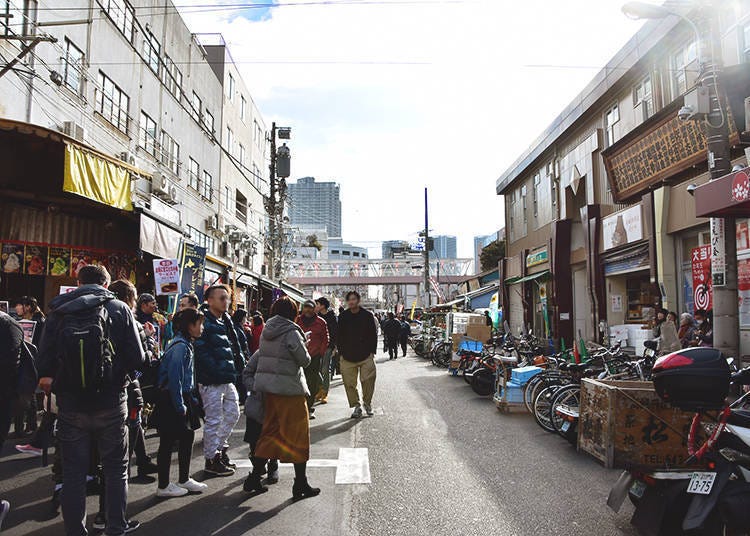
740, 417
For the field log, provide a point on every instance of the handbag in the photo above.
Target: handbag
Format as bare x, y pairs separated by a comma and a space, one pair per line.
195, 410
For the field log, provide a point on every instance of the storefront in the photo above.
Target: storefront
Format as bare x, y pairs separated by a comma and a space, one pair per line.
538, 286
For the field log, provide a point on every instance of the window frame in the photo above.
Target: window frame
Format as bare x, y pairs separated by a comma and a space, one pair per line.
230, 87
144, 138
117, 94
68, 67
170, 153
122, 15
609, 127
243, 106
172, 77
194, 174
152, 52
207, 185
196, 108
640, 96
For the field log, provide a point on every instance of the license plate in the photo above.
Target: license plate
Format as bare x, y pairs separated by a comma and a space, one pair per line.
565, 426
701, 483
638, 489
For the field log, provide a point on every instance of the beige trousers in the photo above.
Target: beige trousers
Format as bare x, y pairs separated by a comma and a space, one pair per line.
364, 371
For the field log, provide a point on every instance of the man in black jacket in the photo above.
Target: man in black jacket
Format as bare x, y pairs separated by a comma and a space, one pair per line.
392, 334
86, 416
323, 308
11, 338
357, 344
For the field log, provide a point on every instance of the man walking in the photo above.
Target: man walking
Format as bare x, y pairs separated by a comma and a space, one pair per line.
392, 334
217, 358
323, 308
357, 344
405, 334
316, 331
89, 346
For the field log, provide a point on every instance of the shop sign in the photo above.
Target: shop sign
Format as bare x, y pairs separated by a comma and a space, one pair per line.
702, 284
621, 228
36, 260
743, 288
616, 303
166, 276
718, 253
743, 240
12, 258
66, 289
537, 257
193, 266
59, 261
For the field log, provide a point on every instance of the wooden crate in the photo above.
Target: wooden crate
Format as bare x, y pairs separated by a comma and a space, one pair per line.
626, 424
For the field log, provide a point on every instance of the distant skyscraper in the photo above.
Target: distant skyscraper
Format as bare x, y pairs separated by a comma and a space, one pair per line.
391, 247
445, 247
315, 204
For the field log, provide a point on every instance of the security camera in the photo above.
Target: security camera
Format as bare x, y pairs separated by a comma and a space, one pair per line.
691, 189
686, 113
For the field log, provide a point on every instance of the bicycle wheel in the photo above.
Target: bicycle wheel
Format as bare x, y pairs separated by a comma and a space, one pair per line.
543, 406
528, 391
483, 382
545, 380
567, 395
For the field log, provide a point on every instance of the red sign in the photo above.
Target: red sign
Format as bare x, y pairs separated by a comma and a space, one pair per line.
701, 268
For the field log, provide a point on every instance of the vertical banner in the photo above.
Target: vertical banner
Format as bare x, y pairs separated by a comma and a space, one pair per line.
166, 276
718, 253
494, 303
743, 291
193, 266
701, 258
36, 260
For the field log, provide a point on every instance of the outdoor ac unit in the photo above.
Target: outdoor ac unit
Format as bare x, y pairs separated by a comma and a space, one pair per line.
215, 223
127, 157
73, 129
160, 185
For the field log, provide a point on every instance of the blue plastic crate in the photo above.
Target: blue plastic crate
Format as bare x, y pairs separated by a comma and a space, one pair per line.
522, 375
471, 346
514, 393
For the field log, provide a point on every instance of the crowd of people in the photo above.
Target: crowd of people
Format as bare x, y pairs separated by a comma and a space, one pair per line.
105, 364
688, 331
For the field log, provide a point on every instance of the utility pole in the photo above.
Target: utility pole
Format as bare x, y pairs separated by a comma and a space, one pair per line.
279, 168
271, 208
426, 254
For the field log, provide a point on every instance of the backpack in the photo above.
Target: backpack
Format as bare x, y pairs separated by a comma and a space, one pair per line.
28, 377
86, 352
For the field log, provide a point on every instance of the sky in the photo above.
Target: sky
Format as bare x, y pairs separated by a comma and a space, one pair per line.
387, 97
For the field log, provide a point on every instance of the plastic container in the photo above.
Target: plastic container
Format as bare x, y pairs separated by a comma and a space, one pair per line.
514, 393
693, 379
522, 375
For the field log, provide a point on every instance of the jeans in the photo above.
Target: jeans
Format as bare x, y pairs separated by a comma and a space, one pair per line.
363, 371
220, 402
404, 342
75, 432
325, 369
312, 376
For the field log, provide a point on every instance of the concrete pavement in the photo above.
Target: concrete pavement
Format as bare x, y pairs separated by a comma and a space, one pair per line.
440, 459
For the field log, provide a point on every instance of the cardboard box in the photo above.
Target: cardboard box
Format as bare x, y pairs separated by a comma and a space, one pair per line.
626, 424
479, 332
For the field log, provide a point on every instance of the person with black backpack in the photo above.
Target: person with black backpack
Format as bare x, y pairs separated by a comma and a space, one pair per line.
89, 346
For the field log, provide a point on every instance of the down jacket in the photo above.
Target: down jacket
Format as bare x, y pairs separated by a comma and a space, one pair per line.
217, 351
280, 359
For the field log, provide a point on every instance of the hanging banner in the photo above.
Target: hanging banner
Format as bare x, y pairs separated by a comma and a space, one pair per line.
36, 260
193, 266
59, 261
494, 307
166, 276
88, 175
743, 291
702, 283
12, 258
718, 253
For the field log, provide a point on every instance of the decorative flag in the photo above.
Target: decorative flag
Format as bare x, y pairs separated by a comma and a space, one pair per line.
413, 308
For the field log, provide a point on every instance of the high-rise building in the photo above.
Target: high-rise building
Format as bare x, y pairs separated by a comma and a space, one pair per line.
444, 247
392, 247
480, 242
315, 204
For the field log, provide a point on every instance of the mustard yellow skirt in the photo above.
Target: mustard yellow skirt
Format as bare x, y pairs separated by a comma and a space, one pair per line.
286, 429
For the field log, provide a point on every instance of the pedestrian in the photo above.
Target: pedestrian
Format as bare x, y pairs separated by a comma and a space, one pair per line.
704, 331
147, 314
256, 331
238, 319
392, 334
405, 334
25, 421
661, 317
11, 339
177, 415
669, 340
357, 344
279, 375
27, 308
217, 354
323, 308
125, 291
686, 333
316, 333
187, 301
90, 344
488, 319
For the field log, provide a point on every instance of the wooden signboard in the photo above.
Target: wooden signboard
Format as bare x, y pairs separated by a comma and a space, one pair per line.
625, 424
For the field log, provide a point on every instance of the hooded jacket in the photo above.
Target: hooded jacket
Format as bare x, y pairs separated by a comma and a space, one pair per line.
217, 351
280, 359
318, 329
123, 334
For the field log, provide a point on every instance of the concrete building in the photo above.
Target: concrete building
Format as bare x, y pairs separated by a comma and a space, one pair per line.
444, 247
340, 250
391, 248
111, 138
479, 244
315, 204
600, 229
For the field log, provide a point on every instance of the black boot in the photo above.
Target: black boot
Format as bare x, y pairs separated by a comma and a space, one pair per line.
303, 490
254, 484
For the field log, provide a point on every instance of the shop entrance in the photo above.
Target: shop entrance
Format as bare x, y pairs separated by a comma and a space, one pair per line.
580, 304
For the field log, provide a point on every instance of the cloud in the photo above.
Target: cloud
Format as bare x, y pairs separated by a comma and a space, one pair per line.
386, 99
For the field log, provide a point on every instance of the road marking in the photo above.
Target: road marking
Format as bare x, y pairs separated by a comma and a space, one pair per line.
352, 466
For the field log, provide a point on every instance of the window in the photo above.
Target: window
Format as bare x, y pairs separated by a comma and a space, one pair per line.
257, 134
122, 15
243, 105
256, 175
240, 206
643, 96
230, 88
230, 142
147, 134
535, 193
197, 107
151, 52
170, 153
355, 254
227, 197
201, 239
679, 63
194, 177
208, 121
73, 67
334, 252
207, 185
610, 120
172, 78
112, 103
241, 154
523, 200
346, 253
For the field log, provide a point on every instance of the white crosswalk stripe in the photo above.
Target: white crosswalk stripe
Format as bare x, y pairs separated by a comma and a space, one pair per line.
352, 466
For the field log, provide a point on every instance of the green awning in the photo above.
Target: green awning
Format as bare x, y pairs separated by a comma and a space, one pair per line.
512, 280
539, 275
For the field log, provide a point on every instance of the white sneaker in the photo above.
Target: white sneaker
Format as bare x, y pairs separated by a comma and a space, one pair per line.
193, 486
357, 414
172, 490
368, 410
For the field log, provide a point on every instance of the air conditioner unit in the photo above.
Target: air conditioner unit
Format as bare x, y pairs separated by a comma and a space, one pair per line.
73, 129
215, 223
127, 157
160, 185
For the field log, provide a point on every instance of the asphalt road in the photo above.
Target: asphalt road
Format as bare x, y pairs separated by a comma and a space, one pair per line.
441, 462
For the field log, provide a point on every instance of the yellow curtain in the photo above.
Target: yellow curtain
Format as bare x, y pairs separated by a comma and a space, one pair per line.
96, 178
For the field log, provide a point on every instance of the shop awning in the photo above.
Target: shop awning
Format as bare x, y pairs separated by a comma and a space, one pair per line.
728, 196
634, 259
159, 239
539, 275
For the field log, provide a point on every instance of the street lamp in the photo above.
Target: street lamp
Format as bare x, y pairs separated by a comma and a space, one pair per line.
643, 10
